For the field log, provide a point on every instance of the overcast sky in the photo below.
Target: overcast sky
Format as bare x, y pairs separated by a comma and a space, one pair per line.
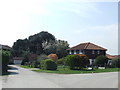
71, 20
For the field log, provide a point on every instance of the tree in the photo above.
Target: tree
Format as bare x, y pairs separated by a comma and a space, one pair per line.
116, 62
42, 57
76, 61
35, 44
19, 47
59, 48
39, 42
101, 61
5, 61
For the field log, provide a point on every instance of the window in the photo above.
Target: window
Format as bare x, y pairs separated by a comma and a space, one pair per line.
93, 52
72, 52
98, 52
80, 52
77, 51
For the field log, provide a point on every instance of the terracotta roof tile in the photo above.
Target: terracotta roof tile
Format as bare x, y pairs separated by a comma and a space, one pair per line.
112, 56
87, 46
5, 47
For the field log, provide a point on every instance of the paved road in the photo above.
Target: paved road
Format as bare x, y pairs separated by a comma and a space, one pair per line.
24, 78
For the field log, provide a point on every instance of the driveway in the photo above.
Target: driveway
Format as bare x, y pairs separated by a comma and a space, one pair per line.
25, 78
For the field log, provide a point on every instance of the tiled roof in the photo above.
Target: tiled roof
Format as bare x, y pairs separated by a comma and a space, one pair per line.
17, 58
5, 47
88, 45
109, 56
112, 56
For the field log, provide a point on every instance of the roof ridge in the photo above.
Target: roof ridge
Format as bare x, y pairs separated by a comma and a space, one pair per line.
87, 45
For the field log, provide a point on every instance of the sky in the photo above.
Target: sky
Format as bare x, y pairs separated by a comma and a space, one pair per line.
75, 21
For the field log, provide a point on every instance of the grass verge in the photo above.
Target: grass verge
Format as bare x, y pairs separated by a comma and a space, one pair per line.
23, 66
62, 70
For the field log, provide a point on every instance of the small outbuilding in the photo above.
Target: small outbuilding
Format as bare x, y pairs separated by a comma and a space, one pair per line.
17, 60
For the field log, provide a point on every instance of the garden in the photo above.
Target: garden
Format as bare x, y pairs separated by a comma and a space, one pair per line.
45, 52
73, 64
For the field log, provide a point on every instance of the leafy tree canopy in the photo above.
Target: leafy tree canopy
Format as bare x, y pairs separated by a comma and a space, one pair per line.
34, 44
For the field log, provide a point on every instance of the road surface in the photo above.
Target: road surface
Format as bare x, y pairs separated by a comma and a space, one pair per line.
25, 78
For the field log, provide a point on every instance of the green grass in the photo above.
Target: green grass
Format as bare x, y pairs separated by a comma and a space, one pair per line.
66, 70
23, 66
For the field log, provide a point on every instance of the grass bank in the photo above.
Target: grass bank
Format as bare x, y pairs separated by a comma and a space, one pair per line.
65, 70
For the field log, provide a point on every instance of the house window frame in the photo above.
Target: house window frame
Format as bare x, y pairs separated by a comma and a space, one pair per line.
77, 51
98, 52
93, 51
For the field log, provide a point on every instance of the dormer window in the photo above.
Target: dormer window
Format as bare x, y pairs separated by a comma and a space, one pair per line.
93, 52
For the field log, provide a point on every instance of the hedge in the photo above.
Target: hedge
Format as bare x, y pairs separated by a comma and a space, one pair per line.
5, 61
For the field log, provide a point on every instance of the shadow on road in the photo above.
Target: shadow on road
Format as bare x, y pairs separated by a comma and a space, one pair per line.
12, 70
12, 73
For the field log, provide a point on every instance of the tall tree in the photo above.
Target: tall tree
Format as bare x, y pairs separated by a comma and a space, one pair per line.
35, 44
40, 41
59, 48
19, 47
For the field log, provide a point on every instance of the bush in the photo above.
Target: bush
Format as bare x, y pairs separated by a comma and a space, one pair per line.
101, 61
76, 61
42, 57
35, 64
5, 61
60, 61
48, 64
116, 62
53, 57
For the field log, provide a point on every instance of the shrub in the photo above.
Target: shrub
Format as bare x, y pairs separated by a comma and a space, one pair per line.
32, 57
101, 60
5, 61
53, 57
116, 62
35, 64
48, 64
42, 57
60, 61
76, 61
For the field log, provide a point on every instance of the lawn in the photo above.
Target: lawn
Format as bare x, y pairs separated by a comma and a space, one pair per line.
66, 70
23, 66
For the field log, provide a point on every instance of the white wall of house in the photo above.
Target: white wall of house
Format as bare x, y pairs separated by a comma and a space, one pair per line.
70, 52
75, 52
18, 62
91, 61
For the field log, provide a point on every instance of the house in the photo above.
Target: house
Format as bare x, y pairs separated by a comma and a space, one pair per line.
89, 49
110, 57
17, 60
5, 47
